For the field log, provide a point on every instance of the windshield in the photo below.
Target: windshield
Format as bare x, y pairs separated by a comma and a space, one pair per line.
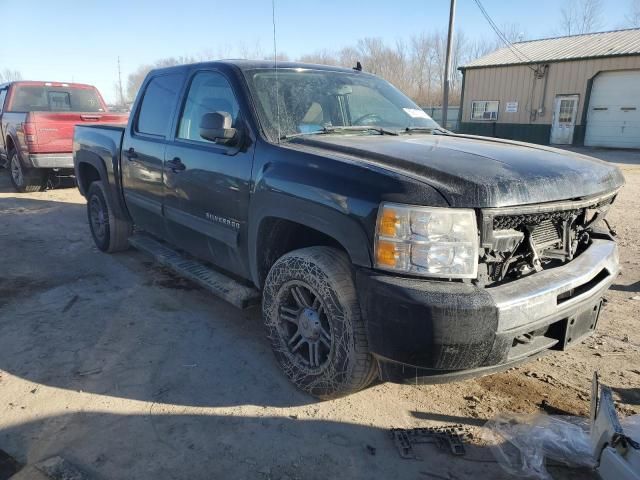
56, 99
312, 101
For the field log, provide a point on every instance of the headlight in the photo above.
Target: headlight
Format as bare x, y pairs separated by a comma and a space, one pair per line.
427, 241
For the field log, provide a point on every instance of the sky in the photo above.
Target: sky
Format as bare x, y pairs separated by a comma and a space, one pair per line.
81, 40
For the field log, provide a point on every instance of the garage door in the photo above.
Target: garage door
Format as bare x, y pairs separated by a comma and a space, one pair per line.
614, 110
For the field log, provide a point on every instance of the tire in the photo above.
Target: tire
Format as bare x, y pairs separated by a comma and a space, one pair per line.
25, 180
109, 233
312, 316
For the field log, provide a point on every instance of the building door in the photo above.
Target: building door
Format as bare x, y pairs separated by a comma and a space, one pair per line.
565, 111
613, 119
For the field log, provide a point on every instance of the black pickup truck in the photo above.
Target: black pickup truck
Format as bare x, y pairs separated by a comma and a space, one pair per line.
379, 244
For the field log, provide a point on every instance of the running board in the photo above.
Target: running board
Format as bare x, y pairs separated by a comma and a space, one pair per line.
198, 272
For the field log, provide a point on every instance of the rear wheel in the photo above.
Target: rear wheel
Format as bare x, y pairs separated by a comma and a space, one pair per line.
313, 320
110, 234
25, 179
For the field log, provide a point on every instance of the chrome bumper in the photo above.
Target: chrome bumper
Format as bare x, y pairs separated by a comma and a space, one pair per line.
545, 296
51, 160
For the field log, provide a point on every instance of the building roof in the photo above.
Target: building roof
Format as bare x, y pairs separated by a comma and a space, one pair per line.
589, 45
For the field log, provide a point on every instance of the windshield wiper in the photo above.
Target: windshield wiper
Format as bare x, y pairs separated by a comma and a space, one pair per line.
435, 130
342, 128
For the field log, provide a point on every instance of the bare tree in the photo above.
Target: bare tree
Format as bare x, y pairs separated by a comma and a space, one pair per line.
415, 65
633, 18
348, 57
280, 57
513, 33
423, 65
8, 75
135, 79
321, 57
580, 16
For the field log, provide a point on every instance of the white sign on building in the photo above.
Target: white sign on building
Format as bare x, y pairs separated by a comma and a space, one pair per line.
512, 107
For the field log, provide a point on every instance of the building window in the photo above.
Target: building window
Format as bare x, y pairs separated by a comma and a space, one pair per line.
566, 111
484, 110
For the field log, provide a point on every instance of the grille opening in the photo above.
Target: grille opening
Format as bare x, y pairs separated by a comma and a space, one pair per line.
547, 337
585, 287
557, 331
555, 233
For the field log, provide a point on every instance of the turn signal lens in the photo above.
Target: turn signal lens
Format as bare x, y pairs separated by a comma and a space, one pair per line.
386, 254
388, 222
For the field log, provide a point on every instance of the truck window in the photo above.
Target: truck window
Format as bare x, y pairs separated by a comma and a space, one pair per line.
309, 100
365, 102
32, 98
209, 92
157, 105
3, 95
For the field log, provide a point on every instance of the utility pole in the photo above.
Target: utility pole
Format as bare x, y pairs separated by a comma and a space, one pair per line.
447, 65
120, 84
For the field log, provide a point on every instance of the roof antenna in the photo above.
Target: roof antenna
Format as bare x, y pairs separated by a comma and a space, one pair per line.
275, 64
358, 67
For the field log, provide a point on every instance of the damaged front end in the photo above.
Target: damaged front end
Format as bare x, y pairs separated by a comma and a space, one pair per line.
543, 271
518, 241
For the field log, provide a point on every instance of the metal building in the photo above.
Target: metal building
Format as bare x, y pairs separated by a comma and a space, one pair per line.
580, 90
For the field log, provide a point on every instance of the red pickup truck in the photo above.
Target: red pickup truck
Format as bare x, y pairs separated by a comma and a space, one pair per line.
36, 128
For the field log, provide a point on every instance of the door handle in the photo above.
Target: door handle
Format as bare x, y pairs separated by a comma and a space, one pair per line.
131, 153
176, 165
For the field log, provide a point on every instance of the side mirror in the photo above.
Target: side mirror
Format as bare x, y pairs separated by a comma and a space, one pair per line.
216, 127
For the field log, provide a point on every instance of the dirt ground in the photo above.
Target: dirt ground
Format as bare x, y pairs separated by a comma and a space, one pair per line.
128, 372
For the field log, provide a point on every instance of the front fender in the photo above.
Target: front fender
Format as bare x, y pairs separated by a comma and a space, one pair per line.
343, 228
338, 197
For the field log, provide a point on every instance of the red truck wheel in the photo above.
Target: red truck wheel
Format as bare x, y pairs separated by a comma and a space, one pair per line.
26, 180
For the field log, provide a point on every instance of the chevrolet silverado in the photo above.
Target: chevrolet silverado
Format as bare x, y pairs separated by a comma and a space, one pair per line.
379, 244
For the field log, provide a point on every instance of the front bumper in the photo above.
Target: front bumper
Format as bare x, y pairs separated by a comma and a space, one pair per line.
431, 331
51, 160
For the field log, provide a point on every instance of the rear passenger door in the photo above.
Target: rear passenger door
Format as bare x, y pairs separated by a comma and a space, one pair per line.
143, 150
206, 183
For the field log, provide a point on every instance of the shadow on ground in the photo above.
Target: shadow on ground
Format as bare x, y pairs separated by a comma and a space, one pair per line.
78, 319
159, 445
53, 184
633, 288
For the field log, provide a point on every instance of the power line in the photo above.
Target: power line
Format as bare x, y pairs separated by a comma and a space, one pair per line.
518, 53
120, 84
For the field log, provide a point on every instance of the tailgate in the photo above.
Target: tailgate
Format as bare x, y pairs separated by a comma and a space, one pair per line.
53, 131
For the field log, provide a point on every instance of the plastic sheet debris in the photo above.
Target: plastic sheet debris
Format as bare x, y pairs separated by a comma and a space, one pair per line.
521, 443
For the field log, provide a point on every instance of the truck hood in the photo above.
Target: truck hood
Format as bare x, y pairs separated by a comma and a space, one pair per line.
479, 172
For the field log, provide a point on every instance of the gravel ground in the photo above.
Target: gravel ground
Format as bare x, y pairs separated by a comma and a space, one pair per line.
126, 371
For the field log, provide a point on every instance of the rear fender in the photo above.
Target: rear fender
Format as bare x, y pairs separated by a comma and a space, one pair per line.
106, 177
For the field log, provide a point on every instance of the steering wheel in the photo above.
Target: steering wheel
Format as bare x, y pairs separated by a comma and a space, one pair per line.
368, 119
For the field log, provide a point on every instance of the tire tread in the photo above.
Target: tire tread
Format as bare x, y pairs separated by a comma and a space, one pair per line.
337, 267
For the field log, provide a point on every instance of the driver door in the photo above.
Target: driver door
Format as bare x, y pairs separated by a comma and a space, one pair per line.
206, 185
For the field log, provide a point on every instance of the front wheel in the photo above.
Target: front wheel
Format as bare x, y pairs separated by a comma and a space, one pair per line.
313, 320
26, 180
